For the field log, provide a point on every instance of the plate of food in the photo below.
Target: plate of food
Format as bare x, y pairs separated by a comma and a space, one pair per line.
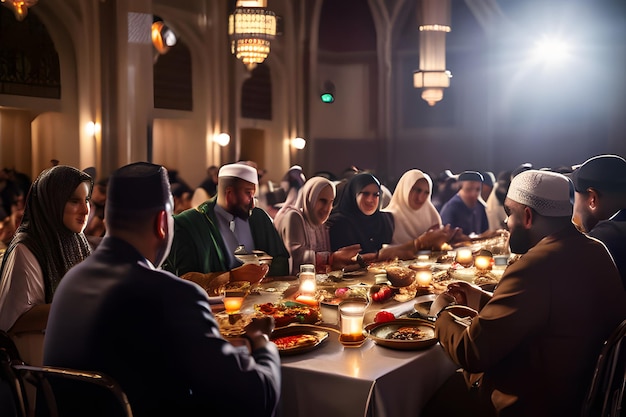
290, 312
403, 334
296, 339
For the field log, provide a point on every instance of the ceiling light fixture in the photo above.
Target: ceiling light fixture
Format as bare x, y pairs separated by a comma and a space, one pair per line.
19, 7
251, 27
432, 75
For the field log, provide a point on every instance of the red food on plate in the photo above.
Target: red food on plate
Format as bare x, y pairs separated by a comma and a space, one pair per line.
284, 315
294, 341
384, 316
381, 294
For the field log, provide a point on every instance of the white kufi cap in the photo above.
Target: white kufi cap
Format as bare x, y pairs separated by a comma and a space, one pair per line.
245, 172
546, 192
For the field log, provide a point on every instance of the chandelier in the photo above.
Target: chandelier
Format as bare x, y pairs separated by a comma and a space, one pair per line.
19, 7
251, 27
432, 75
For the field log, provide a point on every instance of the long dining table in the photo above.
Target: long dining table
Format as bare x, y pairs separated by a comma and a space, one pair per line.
366, 381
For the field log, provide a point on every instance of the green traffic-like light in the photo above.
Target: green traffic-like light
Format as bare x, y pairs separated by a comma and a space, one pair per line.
327, 98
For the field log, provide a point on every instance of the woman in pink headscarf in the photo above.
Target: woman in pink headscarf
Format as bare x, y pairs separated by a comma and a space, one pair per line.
302, 226
413, 212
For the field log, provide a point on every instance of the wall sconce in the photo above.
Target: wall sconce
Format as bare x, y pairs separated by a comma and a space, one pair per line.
19, 7
92, 128
298, 143
162, 36
432, 75
223, 139
251, 27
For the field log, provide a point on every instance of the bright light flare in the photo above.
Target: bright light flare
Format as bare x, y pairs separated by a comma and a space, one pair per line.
551, 50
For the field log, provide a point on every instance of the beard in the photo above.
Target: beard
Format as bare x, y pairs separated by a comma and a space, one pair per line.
520, 241
243, 212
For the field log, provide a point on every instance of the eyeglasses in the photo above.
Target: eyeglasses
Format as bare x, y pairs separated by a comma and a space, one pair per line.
366, 194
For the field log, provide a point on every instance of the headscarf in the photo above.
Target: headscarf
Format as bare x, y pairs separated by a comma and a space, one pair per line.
42, 231
408, 223
302, 248
349, 225
316, 232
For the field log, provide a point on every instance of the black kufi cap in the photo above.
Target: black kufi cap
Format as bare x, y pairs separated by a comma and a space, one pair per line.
471, 176
602, 172
138, 186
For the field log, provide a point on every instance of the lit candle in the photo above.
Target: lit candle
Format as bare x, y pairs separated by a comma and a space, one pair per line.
423, 278
307, 283
307, 279
464, 257
233, 302
483, 262
422, 258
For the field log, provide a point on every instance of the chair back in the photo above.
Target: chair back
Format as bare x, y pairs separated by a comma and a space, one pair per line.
606, 393
12, 397
63, 392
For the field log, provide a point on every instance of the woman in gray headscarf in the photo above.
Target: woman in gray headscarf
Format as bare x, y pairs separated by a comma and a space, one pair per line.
302, 226
48, 242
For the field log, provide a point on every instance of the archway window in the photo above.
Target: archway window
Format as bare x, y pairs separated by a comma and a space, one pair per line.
29, 63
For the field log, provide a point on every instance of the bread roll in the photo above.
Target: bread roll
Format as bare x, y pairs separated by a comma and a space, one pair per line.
400, 276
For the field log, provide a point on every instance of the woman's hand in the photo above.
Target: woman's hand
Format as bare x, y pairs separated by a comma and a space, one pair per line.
345, 256
434, 238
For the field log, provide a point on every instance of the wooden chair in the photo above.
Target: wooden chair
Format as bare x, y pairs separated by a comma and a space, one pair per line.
606, 393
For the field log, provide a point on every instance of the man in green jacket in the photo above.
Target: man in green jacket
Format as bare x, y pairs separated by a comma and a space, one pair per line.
206, 237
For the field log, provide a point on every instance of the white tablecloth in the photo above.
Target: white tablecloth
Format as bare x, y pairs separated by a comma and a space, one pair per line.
371, 380
368, 381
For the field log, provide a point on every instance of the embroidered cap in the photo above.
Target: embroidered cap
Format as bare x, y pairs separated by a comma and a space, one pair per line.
245, 172
545, 191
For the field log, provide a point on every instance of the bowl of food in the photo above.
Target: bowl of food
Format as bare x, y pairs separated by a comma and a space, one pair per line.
403, 334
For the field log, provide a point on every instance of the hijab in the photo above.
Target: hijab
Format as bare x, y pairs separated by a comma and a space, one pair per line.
42, 231
314, 228
349, 225
409, 223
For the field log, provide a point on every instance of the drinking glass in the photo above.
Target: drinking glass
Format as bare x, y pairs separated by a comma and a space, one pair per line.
351, 313
322, 262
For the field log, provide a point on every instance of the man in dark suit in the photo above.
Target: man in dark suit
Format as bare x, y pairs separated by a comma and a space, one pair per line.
148, 329
600, 204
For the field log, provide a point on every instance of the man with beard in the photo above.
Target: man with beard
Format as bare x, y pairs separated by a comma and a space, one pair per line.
531, 342
600, 204
152, 332
207, 238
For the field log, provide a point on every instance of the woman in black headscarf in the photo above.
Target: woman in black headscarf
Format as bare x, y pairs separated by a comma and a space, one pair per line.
357, 219
48, 242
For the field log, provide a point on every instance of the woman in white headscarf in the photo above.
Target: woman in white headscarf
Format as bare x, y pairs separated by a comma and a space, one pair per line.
302, 226
413, 212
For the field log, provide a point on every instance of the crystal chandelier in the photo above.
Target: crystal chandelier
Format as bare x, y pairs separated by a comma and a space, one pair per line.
432, 75
251, 27
19, 7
